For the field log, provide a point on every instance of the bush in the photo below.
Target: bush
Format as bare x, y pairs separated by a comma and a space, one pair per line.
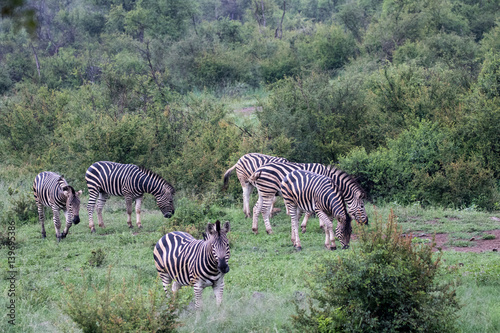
385, 284
125, 310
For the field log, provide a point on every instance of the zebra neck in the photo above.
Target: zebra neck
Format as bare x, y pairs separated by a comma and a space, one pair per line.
150, 184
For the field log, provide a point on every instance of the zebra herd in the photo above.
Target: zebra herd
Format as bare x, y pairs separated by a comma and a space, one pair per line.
181, 259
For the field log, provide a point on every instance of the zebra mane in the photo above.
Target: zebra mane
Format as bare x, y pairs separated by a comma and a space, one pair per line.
351, 180
157, 176
69, 188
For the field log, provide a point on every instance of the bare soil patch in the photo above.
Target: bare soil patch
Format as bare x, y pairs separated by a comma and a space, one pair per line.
477, 244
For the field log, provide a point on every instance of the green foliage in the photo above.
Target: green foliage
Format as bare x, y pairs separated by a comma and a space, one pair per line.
113, 309
386, 284
22, 205
421, 165
96, 258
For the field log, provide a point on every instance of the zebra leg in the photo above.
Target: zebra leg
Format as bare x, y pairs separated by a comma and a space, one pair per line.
57, 222
138, 203
218, 287
128, 201
247, 190
90, 209
295, 213
255, 219
68, 225
100, 205
303, 226
267, 206
41, 218
198, 295
328, 228
165, 281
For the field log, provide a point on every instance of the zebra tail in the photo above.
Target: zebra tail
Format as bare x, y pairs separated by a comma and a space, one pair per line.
226, 176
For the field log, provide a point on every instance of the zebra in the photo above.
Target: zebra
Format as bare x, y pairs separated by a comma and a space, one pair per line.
106, 178
186, 261
305, 191
268, 179
52, 190
245, 167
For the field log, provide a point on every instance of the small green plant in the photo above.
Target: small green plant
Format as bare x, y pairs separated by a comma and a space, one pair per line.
22, 204
125, 309
385, 284
96, 258
488, 237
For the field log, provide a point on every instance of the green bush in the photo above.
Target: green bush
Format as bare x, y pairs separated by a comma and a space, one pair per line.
125, 309
422, 164
385, 284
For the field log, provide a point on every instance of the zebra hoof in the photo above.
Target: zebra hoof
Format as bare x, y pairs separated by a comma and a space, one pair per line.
345, 247
269, 232
255, 231
130, 226
63, 235
139, 226
44, 236
92, 230
298, 248
303, 230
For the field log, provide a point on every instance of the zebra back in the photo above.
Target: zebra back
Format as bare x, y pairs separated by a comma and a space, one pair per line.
129, 180
310, 192
248, 163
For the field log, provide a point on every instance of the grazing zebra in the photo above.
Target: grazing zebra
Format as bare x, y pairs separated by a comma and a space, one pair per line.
187, 261
51, 189
245, 167
305, 191
268, 180
130, 181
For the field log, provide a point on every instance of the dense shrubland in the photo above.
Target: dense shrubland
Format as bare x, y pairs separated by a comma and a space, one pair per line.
403, 94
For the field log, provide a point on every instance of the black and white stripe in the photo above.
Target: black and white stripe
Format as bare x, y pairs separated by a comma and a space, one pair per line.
52, 190
130, 181
305, 191
187, 261
268, 180
245, 167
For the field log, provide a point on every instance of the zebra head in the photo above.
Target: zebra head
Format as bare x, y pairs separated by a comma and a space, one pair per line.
357, 208
72, 204
165, 201
217, 237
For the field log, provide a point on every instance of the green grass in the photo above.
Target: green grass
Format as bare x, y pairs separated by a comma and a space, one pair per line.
266, 274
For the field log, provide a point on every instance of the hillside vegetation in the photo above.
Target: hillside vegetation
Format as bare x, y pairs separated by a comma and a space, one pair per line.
403, 94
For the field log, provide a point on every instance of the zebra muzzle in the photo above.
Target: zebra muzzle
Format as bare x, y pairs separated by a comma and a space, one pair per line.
223, 266
76, 220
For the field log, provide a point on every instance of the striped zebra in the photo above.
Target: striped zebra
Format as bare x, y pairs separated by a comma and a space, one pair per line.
268, 180
130, 181
52, 190
245, 167
186, 261
305, 191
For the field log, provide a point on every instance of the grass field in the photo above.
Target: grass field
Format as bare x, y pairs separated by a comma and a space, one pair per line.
266, 274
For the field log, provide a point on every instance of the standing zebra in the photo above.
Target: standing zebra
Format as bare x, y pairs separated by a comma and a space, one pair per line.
305, 191
130, 181
245, 167
51, 189
268, 180
186, 261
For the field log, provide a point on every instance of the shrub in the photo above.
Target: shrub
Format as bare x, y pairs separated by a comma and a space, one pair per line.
22, 205
385, 284
125, 310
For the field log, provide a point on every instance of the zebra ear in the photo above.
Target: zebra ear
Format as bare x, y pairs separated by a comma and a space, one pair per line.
79, 193
205, 237
227, 227
211, 229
